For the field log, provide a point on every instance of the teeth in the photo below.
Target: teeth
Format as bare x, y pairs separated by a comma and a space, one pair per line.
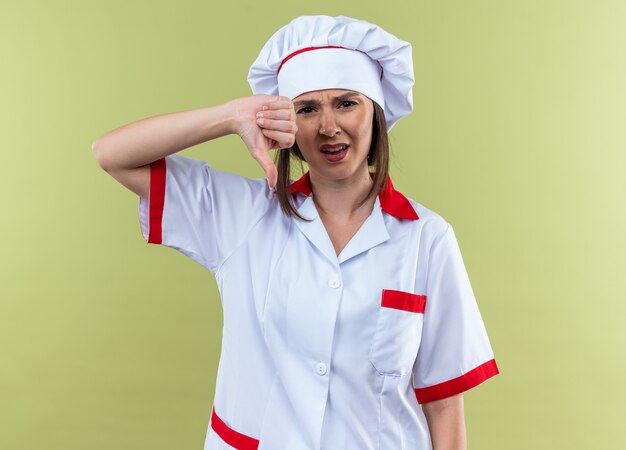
334, 149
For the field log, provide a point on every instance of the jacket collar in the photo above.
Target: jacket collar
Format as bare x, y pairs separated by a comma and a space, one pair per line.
391, 201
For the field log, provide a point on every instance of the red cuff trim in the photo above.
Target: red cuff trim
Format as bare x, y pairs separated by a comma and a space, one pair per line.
457, 385
403, 300
232, 437
157, 200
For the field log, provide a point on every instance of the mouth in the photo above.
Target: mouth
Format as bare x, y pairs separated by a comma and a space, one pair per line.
332, 149
334, 152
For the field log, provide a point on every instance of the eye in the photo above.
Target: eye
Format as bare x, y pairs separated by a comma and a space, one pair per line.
347, 103
305, 110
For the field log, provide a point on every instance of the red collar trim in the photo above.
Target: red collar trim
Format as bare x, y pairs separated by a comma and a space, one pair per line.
301, 185
391, 201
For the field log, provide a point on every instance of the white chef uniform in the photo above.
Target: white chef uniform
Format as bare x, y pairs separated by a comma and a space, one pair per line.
321, 351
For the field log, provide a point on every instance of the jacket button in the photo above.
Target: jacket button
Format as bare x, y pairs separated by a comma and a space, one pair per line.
321, 369
334, 283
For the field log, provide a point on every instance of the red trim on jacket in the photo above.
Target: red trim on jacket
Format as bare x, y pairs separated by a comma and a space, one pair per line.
396, 204
232, 437
405, 301
459, 384
391, 201
302, 185
157, 200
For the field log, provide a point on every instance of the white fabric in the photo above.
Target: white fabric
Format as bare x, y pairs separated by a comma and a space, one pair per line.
303, 362
390, 53
337, 67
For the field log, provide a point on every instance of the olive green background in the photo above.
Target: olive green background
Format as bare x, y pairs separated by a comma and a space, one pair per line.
517, 139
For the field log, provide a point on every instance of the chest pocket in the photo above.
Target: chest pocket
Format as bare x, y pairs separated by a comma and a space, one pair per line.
398, 332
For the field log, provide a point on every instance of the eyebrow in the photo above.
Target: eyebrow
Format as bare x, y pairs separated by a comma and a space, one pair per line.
340, 98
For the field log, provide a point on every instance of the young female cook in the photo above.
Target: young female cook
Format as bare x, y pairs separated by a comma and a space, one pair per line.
346, 304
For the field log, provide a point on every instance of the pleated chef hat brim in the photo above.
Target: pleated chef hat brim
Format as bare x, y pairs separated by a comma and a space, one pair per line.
322, 52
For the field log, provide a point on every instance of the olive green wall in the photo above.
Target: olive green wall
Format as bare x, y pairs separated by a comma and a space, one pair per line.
517, 140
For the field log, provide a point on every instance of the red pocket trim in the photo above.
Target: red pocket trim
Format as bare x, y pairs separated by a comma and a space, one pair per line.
232, 437
403, 300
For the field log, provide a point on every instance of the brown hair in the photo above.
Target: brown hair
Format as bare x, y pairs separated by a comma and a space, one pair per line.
377, 157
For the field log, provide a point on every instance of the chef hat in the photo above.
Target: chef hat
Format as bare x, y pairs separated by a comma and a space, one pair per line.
322, 52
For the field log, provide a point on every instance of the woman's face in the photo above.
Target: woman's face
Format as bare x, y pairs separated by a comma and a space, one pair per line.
334, 131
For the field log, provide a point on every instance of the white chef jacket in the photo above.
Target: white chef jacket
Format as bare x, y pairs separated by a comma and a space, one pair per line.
321, 351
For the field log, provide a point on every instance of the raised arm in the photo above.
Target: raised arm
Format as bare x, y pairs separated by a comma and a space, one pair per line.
126, 152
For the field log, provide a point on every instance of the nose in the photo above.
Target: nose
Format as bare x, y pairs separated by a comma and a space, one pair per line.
328, 124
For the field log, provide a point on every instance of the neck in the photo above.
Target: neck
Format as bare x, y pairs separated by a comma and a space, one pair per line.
340, 198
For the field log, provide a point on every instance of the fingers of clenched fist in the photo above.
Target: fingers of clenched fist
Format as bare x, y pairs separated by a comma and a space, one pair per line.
277, 121
266, 122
